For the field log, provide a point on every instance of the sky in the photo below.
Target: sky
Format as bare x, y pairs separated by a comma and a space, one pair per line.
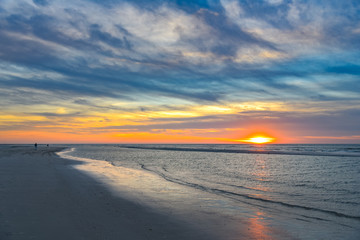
206, 71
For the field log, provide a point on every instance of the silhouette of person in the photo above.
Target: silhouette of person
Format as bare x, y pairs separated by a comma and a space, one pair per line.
35, 146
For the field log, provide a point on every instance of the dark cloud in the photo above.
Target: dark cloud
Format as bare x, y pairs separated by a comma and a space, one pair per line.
21, 51
59, 87
97, 35
228, 36
41, 2
57, 115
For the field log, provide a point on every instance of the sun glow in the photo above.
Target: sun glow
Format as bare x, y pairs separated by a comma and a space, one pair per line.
258, 139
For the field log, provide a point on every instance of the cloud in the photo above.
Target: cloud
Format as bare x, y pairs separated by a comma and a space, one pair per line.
41, 2
126, 56
274, 2
334, 137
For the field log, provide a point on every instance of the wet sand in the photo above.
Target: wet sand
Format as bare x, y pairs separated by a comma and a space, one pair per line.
44, 197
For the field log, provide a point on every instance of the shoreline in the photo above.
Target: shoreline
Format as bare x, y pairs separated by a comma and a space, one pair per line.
47, 196
44, 196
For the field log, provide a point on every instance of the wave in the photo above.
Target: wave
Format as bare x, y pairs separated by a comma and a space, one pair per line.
246, 196
214, 150
66, 154
241, 197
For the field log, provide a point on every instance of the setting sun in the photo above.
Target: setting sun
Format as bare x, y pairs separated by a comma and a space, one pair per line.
258, 139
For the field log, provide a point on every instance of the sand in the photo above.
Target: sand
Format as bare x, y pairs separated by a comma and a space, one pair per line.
43, 196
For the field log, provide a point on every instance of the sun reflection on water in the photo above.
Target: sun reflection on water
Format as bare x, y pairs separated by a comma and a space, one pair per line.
258, 228
261, 173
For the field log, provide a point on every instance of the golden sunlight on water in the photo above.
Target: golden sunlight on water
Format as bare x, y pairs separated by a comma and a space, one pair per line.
258, 228
261, 173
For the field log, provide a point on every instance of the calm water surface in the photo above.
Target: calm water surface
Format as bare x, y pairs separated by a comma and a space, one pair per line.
310, 183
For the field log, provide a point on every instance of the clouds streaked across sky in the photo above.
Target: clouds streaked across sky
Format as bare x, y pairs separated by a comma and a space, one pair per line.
179, 71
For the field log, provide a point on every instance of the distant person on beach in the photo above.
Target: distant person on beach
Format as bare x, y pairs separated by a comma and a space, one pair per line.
47, 145
35, 146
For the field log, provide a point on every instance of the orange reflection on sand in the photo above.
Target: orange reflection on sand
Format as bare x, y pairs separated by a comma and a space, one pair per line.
257, 227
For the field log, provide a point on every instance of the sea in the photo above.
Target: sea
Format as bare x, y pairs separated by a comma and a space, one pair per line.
310, 191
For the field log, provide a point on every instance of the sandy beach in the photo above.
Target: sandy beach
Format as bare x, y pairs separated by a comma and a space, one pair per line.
44, 197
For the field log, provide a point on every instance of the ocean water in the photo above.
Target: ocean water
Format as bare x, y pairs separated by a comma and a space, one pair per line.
311, 186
